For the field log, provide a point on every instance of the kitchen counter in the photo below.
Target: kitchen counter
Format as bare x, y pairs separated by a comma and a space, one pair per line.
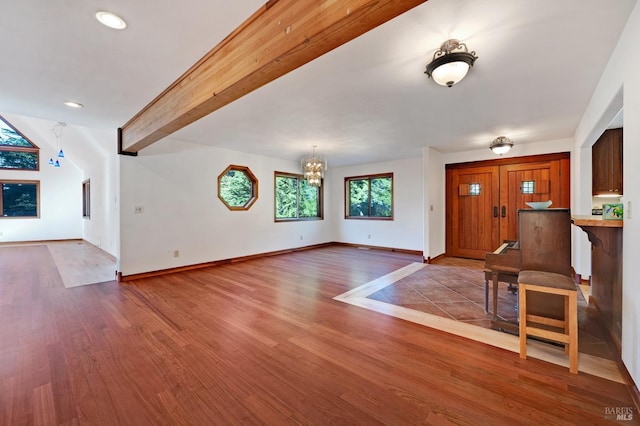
606, 269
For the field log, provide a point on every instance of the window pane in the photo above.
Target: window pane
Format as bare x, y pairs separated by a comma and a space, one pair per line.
286, 197
381, 197
235, 188
9, 137
295, 199
308, 200
20, 199
18, 160
359, 197
86, 199
528, 187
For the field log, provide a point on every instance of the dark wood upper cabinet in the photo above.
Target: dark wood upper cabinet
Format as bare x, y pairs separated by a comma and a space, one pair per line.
606, 163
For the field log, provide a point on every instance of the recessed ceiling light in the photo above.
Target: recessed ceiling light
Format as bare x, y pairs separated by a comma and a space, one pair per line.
72, 104
111, 20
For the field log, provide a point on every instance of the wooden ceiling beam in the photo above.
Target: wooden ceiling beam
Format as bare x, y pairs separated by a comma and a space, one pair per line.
280, 37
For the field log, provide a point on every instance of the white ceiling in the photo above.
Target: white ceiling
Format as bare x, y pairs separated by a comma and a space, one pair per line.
369, 100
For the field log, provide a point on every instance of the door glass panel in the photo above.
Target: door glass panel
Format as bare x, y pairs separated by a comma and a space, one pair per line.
528, 187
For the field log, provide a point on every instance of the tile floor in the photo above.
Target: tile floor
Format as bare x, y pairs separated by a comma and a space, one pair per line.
454, 288
79, 263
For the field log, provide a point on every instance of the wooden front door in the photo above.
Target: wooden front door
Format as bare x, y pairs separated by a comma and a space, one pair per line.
525, 182
483, 199
474, 194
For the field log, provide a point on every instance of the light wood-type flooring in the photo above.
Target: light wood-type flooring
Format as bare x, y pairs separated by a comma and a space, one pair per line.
259, 342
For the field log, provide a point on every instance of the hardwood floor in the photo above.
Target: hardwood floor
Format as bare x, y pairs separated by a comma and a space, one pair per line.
446, 295
259, 342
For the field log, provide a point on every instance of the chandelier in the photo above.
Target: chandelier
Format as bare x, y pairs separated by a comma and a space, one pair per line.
501, 145
313, 166
450, 63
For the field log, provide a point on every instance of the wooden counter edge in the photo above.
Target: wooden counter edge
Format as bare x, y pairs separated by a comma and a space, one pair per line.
596, 221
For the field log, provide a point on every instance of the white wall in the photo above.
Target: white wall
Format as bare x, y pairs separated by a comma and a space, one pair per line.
89, 154
405, 231
434, 203
60, 194
176, 185
620, 86
98, 159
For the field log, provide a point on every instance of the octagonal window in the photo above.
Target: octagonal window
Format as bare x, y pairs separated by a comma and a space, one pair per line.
237, 188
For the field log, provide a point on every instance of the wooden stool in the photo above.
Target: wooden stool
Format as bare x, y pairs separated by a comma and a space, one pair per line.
551, 283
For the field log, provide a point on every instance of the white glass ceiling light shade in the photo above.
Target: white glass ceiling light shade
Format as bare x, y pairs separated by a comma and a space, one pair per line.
501, 145
313, 166
111, 20
73, 104
450, 74
450, 63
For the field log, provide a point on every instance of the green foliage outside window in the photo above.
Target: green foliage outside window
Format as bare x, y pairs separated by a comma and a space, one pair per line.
237, 187
19, 199
295, 199
16, 152
18, 160
9, 137
359, 197
308, 205
370, 197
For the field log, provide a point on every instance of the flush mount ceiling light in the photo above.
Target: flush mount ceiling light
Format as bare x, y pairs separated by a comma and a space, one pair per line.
450, 63
501, 145
73, 104
111, 20
313, 166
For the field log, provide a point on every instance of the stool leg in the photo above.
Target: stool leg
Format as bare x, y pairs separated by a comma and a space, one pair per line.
486, 294
573, 332
522, 313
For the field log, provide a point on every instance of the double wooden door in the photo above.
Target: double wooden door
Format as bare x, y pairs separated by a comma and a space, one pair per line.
483, 199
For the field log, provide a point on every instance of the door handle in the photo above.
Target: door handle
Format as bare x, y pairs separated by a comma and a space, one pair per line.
495, 211
504, 211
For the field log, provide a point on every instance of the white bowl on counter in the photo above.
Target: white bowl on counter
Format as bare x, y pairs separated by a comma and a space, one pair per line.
539, 205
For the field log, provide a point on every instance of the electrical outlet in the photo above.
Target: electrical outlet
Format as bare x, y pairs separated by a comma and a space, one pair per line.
301, 238
369, 236
176, 253
138, 209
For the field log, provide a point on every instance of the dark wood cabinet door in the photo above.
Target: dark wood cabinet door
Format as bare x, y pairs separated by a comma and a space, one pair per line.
616, 161
606, 163
600, 165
